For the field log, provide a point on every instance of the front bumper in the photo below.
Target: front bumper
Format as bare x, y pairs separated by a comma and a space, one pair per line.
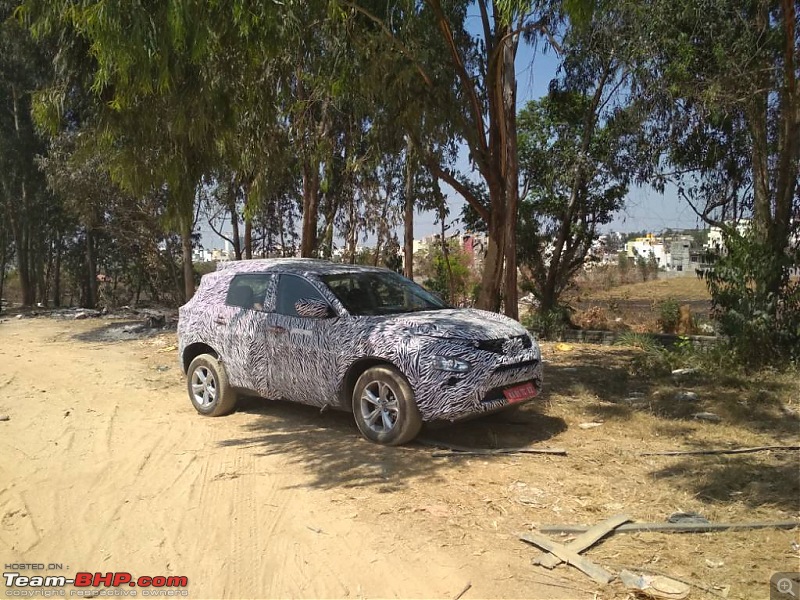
452, 396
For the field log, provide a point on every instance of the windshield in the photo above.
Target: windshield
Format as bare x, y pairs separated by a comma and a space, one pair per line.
381, 293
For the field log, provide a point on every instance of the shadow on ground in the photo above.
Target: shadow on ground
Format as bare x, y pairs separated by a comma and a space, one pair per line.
121, 331
330, 447
609, 391
757, 481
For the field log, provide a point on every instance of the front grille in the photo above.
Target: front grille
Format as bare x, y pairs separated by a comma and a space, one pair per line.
496, 345
514, 366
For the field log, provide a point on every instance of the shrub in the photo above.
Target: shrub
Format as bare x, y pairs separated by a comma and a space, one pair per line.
669, 315
549, 325
755, 302
593, 317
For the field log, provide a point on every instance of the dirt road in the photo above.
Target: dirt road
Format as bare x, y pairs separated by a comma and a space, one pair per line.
106, 467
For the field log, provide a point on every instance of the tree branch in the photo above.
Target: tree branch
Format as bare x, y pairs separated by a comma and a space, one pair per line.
466, 81
459, 187
402, 47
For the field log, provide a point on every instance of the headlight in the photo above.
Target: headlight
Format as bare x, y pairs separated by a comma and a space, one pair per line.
448, 363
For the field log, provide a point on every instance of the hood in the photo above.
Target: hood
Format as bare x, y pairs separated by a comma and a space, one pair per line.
458, 323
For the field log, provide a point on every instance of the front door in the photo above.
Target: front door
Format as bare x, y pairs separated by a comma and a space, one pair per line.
245, 322
304, 366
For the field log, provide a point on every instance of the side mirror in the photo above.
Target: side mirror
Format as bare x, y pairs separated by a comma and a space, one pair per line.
311, 308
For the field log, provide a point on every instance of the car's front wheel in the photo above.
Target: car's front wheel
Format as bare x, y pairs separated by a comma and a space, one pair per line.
384, 407
209, 390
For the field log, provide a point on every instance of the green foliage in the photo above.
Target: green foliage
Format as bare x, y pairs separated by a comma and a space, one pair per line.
652, 361
755, 302
29, 212
433, 268
669, 315
724, 86
548, 325
579, 149
642, 341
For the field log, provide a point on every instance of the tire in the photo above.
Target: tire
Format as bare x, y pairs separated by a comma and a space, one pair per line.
384, 407
208, 387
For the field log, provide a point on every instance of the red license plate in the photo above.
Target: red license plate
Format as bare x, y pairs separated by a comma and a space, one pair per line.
518, 393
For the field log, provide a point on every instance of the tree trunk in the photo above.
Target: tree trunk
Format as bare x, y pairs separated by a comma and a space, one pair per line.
45, 275
282, 238
57, 273
408, 218
186, 246
451, 286
21, 224
91, 271
248, 218
492, 278
21, 233
511, 173
789, 131
3, 257
762, 199
248, 238
310, 200
352, 241
327, 241
232, 207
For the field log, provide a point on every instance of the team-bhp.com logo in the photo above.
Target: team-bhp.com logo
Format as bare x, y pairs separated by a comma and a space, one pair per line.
19, 585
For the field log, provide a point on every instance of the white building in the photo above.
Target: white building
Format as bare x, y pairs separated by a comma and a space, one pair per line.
716, 241
648, 247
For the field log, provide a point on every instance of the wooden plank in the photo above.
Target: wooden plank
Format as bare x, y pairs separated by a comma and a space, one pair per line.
596, 572
677, 527
731, 451
584, 541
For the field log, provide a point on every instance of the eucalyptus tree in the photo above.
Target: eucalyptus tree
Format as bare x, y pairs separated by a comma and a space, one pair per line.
483, 102
27, 208
165, 87
724, 75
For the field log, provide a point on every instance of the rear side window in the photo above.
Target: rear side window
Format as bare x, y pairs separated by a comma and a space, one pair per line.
292, 288
249, 291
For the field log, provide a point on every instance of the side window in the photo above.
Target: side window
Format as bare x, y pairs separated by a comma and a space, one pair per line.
292, 288
249, 291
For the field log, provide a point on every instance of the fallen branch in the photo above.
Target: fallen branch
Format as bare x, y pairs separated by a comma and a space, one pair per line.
676, 527
457, 450
731, 451
462, 592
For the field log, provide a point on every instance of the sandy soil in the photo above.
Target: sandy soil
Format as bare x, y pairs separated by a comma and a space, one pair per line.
105, 466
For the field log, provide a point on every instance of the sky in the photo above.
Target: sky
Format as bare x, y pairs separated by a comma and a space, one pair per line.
644, 208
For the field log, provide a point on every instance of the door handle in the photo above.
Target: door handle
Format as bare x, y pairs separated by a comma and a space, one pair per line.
277, 329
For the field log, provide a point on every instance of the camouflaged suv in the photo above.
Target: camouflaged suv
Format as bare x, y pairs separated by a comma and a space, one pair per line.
354, 338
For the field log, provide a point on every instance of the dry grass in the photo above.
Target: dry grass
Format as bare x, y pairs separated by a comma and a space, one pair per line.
604, 473
681, 288
636, 305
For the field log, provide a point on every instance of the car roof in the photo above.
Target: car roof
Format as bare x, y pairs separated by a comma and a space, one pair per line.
301, 266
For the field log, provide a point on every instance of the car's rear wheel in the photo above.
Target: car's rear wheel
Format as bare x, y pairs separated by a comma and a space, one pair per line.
209, 390
384, 407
